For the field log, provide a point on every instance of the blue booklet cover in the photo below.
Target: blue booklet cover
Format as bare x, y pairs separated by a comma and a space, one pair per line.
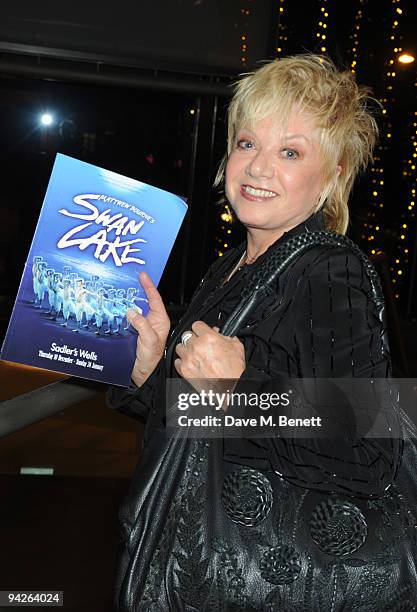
96, 231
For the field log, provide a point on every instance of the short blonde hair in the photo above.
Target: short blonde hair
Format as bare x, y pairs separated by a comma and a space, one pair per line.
314, 85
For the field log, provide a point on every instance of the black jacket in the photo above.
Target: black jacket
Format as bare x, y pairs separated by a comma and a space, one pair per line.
280, 522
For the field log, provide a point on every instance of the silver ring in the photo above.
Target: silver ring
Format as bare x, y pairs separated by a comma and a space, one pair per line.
185, 337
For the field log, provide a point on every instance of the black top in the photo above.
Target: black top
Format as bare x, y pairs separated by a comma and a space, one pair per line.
201, 515
321, 323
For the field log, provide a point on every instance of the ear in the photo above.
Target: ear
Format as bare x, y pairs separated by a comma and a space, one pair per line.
338, 170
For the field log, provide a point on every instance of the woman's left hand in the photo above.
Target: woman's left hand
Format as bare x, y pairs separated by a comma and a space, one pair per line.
208, 354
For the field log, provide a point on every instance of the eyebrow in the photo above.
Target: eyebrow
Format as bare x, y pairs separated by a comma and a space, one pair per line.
248, 131
295, 136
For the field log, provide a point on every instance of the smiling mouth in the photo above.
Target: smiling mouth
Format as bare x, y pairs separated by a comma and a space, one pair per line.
258, 193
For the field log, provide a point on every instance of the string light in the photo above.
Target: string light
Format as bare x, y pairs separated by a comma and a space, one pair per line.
282, 29
322, 28
245, 11
355, 36
407, 227
407, 217
374, 217
225, 226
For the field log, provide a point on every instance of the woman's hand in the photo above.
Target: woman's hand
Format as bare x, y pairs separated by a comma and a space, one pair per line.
152, 332
208, 354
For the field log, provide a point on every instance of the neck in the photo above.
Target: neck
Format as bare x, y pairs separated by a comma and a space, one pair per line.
259, 240
258, 243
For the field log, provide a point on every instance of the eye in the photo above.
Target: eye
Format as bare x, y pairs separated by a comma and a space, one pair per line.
245, 144
290, 154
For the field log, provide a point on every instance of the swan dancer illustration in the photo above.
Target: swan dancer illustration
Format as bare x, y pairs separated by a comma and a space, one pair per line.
58, 293
67, 301
79, 307
41, 283
35, 266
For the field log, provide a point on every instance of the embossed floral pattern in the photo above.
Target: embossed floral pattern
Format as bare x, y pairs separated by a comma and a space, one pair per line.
280, 565
247, 497
338, 527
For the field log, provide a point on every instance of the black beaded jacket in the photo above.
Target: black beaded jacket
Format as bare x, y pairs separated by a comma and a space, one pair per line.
315, 524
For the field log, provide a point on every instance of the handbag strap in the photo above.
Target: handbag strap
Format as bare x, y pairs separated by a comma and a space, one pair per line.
262, 282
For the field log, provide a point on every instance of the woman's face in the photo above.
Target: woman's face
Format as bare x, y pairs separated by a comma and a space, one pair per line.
274, 177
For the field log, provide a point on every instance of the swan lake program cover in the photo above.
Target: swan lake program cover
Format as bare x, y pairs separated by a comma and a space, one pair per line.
96, 231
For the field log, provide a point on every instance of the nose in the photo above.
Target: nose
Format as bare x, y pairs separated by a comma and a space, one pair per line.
260, 165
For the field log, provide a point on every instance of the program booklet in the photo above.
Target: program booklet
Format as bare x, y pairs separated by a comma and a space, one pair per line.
96, 232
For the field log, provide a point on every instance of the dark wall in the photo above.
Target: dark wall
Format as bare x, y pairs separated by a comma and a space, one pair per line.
194, 33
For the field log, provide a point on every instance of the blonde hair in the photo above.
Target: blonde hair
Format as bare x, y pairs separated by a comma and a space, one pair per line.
314, 85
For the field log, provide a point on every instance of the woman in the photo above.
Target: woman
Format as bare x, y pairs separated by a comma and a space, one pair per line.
280, 523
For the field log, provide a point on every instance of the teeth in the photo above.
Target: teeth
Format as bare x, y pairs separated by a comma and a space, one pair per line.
259, 193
